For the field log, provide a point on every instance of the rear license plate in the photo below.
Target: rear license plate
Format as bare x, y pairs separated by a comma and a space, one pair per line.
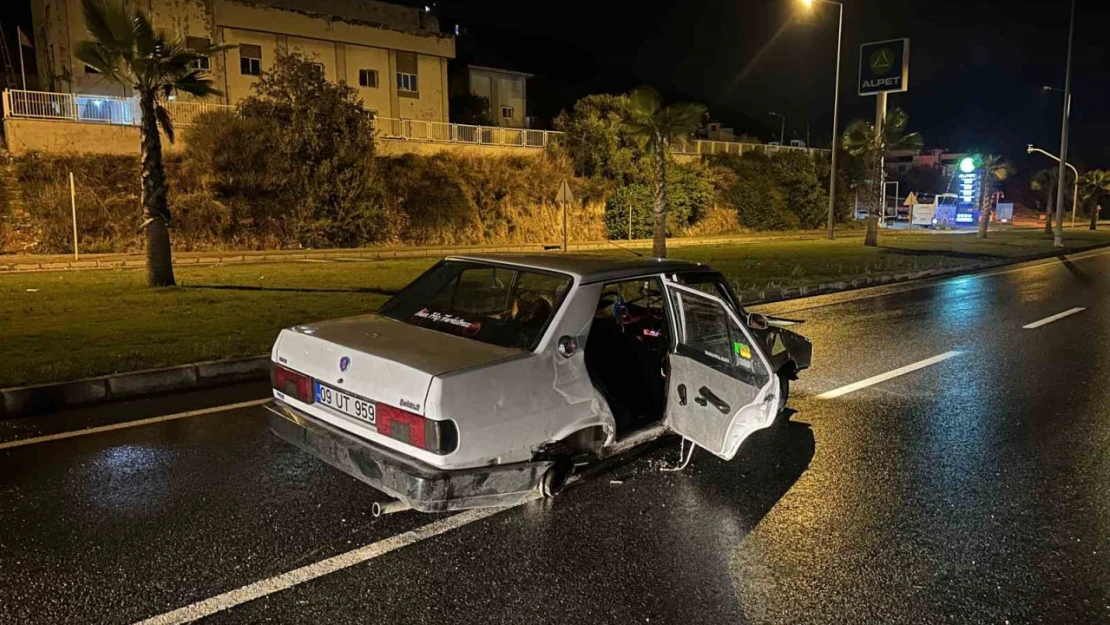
349, 405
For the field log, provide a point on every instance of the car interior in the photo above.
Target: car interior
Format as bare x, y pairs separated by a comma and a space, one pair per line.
626, 352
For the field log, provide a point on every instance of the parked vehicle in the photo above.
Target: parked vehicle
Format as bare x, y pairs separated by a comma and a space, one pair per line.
488, 378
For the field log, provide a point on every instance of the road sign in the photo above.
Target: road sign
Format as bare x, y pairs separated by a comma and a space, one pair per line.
564, 197
884, 66
911, 199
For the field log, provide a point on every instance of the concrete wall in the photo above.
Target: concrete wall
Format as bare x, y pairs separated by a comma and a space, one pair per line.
50, 136
394, 147
39, 135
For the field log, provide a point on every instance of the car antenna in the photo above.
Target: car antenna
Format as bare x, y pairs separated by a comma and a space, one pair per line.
630, 251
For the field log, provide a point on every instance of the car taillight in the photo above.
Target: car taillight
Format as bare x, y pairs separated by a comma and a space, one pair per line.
438, 437
295, 385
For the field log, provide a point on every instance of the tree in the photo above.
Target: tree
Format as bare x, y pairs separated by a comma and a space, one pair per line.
1094, 184
1045, 180
470, 108
861, 140
593, 142
323, 152
993, 170
655, 127
127, 50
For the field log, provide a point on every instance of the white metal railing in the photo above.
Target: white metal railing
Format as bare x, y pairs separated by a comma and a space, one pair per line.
702, 146
442, 132
95, 109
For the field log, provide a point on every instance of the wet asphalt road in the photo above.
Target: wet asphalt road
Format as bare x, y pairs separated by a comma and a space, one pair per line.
975, 490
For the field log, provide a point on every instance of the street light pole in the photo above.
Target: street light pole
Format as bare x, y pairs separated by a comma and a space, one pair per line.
1075, 186
782, 131
836, 111
1058, 240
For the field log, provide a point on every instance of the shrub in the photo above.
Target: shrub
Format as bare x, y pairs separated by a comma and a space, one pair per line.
106, 197
690, 193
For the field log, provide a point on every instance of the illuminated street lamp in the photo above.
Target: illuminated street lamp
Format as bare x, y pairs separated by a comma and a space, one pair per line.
1075, 187
836, 107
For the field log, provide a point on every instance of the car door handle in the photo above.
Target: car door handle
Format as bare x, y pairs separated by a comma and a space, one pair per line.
708, 396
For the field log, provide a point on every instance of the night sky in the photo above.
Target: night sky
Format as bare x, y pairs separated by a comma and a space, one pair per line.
976, 68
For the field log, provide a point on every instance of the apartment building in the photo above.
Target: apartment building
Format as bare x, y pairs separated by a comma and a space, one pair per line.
394, 55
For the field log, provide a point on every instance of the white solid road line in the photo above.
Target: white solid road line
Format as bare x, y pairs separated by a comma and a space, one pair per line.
844, 390
130, 424
285, 581
1056, 317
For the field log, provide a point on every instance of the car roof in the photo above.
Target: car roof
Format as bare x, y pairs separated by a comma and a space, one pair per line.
589, 268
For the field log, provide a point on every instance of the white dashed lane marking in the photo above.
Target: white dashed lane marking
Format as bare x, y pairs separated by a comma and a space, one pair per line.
889, 375
1056, 317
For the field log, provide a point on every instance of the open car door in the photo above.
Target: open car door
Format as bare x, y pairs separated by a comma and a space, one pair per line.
721, 388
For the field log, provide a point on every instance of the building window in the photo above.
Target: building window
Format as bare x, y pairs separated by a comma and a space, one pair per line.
368, 78
250, 59
319, 67
406, 74
406, 82
506, 112
199, 44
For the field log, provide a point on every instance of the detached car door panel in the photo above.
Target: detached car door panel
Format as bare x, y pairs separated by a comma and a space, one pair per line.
721, 388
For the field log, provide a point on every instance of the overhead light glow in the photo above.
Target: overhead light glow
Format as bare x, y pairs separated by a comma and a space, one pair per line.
967, 165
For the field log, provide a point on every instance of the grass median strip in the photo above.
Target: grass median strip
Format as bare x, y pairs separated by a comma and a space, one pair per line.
69, 325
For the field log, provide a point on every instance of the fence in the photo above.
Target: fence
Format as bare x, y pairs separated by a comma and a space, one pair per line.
443, 132
704, 147
125, 111
94, 109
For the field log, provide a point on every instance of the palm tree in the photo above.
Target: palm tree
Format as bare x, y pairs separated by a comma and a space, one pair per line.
127, 50
1045, 180
1094, 183
992, 171
861, 140
656, 127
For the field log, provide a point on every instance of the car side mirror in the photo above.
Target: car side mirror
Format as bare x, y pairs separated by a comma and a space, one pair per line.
757, 321
568, 345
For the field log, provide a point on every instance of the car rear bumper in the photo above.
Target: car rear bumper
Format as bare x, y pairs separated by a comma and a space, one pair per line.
421, 486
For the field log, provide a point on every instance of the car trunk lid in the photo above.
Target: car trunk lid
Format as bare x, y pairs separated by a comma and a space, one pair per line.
380, 358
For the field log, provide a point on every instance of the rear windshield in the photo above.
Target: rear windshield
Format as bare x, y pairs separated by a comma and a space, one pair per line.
498, 305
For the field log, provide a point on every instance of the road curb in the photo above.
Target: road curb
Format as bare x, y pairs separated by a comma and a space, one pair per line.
45, 398
770, 296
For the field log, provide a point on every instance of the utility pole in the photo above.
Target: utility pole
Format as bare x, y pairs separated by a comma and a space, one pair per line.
1058, 239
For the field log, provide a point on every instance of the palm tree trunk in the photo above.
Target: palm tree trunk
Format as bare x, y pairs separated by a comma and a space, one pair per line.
1049, 212
1094, 214
156, 214
659, 240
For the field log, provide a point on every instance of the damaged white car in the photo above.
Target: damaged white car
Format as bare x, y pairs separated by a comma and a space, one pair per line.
482, 381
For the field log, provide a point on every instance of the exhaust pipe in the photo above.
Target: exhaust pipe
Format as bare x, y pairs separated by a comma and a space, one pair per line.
389, 507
